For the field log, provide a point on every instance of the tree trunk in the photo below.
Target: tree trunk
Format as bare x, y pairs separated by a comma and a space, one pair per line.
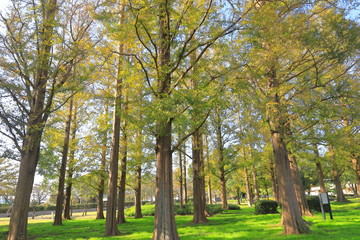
181, 180
185, 182
100, 196
61, 184
274, 183
122, 186
356, 166
238, 195
198, 179
249, 194
320, 172
209, 191
38, 115
277, 119
138, 213
299, 189
340, 197
71, 166
165, 226
256, 188
111, 223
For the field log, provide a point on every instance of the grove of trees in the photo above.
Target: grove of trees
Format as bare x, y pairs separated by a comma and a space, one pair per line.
177, 101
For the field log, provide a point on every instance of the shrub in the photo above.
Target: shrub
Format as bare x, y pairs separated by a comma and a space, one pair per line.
234, 207
314, 204
266, 207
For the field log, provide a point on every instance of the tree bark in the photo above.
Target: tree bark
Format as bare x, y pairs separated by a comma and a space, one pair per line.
198, 179
165, 226
70, 166
356, 167
35, 127
181, 180
122, 185
138, 213
249, 194
299, 189
61, 184
100, 195
277, 119
274, 182
185, 181
256, 187
340, 197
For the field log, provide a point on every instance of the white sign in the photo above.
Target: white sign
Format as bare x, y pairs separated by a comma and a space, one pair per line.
324, 198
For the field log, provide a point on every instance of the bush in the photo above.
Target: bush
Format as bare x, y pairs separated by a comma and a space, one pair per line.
234, 207
266, 207
314, 204
187, 209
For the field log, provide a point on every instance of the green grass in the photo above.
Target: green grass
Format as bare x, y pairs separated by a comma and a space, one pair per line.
237, 224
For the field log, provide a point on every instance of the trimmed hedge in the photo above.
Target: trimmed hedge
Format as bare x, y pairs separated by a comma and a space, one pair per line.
314, 204
266, 207
187, 209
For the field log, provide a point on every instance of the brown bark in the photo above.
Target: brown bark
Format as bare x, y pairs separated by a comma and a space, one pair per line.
256, 187
356, 167
209, 190
340, 197
38, 115
299, 189
277, 119
71, 163
181, 180
164, 226
123, 166
249, 194
221, 161
138, 213
320, 172
274, 183
198, 179
100, 195
64, 158
111, 223
185, 181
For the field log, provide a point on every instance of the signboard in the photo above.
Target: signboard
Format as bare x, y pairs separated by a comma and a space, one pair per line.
324, 201
324, 198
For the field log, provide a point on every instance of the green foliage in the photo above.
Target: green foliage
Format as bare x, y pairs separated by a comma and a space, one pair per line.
187, 209
266, 207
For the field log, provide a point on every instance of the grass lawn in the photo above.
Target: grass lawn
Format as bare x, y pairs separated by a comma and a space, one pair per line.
241, 224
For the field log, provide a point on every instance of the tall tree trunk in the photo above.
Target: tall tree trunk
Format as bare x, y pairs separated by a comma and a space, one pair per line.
71, 165
61, 184
299, 189
165, 226
238, 195
256, 187
340, 197
138, 213
198, 179
356, 167
320, 172
209, 190
220, 149
111, 228
274, 183
122, 185
181, 180
100, 195
38, 114
277, 119
185, 181
249, 194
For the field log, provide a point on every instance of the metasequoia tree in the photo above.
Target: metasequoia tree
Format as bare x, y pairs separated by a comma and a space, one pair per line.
168, 43
31, 77
62, 170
